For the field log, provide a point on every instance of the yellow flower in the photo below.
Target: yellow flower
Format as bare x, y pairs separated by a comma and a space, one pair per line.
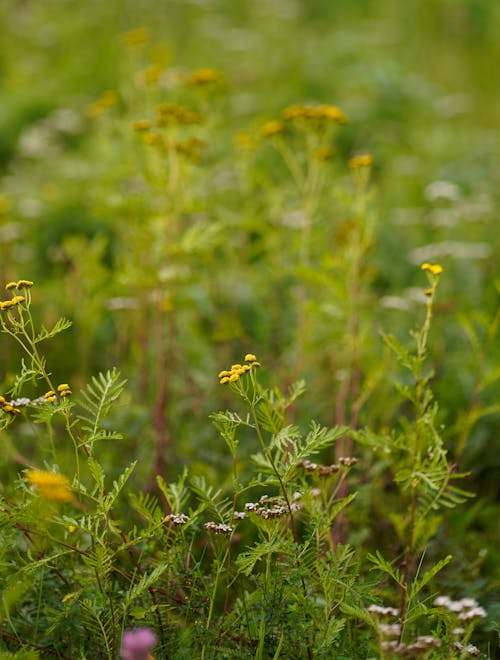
24, 284
224, 373
141, 125
51, 486
18, 299
66, 393
224, 380
152, 138
6, 304
233, 377
250, 357
48, 394
272, 128
362, 160
314, 113
10, 285
434, 269
235, 366
244, 141
204, 77
135, 37
63, 387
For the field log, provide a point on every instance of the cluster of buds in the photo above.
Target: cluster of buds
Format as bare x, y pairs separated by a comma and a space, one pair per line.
175, 518
237, 370
267, 509
218, 528
421, 646
327, 470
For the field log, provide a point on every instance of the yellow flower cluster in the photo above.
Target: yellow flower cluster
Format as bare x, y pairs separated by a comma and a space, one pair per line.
64, 390
433, 269
204, 77
15, 300
237, 370
362, 160
8, 407
171, 113
315, 113
107, 100
136, 37
272, 128
51, 486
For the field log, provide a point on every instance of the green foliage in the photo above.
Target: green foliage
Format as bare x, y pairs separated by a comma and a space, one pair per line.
173, 218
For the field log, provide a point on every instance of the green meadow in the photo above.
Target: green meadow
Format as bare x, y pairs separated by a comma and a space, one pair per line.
250, 310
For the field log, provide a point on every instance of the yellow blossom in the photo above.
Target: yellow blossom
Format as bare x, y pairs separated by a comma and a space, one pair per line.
66, 393
244, 141
141, 125
434, 269
49, 394
24, 284
233, 377
62, 387
10, 285
224, 380
51, 486
314, 113
272, 128
250, 357
135, 37
204, 77
362, 160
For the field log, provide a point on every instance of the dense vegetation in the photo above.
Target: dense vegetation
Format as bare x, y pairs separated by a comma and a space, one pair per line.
249, 376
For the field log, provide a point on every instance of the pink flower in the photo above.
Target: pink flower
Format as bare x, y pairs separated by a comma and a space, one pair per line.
136, 644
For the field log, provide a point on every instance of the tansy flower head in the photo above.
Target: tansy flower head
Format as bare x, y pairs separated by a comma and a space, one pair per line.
62, 387
272, 128
135, 37
434, 269
204, 77
238, 370
50, 485
10, 285
362, 160
24, 284
317, 114
141, 125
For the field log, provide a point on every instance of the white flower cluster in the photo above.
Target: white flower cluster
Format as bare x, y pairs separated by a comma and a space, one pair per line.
176, 518
273, 510
384, 611
423, 644
466, 609
218, 528
470, 648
